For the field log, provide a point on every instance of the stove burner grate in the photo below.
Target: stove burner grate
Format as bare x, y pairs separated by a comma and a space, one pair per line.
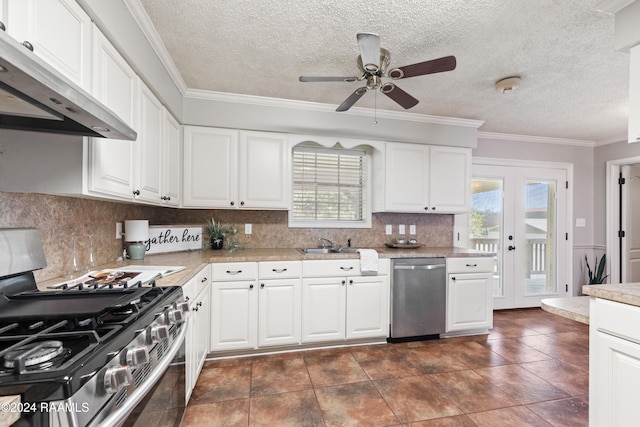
39, 355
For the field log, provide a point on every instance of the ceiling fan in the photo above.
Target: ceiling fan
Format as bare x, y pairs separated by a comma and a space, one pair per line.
373, 63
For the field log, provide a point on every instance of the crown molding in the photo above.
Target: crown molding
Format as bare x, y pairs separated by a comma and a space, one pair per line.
614, 140
611, 7
327, 108
536, 139
149, 31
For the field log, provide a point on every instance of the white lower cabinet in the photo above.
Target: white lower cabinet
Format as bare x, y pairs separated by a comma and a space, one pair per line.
614, 363
197, 293
255, 305
351, 306
469, 294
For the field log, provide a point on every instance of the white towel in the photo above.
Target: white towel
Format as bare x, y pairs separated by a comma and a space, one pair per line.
368, 260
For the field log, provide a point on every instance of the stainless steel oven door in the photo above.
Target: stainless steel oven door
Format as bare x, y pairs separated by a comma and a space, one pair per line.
160, 399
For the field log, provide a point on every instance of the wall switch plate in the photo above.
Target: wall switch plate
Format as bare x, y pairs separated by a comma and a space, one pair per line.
118, 230
401, 229
248, 229
389, 229
412, 229
581, 222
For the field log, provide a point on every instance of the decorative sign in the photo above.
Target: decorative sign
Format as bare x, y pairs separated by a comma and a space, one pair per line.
164, 238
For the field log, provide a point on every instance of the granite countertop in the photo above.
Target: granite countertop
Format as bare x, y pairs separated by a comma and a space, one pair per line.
574, 308
194, 261
627, 293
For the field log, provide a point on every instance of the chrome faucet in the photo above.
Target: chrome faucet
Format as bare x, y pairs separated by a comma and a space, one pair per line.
332, 244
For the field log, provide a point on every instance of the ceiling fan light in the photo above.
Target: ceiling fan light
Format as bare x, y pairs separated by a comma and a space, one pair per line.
387, 87
508, 84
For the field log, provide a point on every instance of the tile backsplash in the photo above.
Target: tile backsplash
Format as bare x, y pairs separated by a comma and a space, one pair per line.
60, 218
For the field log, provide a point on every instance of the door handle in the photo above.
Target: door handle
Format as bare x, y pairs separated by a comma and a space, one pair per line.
511, 248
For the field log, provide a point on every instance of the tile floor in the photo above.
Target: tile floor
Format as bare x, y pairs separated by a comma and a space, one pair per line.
531, 370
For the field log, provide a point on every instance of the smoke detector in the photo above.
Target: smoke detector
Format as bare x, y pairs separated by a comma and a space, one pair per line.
508, 84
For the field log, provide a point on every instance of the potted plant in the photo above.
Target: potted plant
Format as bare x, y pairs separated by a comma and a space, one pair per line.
218, 232
597, 277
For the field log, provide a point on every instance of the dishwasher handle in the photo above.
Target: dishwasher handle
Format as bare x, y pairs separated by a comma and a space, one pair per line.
419, 267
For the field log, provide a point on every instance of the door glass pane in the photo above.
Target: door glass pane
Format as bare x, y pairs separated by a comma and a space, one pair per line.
486, 223
540, 237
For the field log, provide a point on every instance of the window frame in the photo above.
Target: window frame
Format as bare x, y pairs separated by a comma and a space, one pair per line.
366, 221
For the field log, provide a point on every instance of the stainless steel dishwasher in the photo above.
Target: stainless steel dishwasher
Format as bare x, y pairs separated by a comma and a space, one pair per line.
418, 297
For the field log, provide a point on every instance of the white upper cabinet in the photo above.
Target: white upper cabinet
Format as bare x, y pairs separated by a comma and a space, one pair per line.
151, 147
172, 162
263, 178
634, 95
235, 169
422, 178
112, 163
60, 33
209, 167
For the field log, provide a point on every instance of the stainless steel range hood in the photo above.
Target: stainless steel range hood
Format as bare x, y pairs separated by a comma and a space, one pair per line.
34, 97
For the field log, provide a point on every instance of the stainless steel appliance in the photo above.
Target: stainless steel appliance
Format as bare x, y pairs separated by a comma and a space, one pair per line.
35, 97
104, 352
418, 298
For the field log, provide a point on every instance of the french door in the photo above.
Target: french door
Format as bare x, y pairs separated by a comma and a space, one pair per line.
520, 214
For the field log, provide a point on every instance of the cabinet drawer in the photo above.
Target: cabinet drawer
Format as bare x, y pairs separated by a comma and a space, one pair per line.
279, 269
470, 265
617, 319
231, 271
331, 268
202, 279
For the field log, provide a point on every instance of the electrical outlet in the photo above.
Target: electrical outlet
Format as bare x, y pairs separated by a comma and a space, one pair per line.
118, 230
389, 229
247, 229
401, 229
412, 229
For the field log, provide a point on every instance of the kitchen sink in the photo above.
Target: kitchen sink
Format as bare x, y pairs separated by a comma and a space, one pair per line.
313, 251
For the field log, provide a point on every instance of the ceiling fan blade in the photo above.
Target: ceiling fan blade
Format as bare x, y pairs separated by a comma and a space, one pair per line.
369, 44
403, 99
352, 99
446, 63
327, 79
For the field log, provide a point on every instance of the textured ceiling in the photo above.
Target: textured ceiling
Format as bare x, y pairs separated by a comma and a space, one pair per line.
574, 83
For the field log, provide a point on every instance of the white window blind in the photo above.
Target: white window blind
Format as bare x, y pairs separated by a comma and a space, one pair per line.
329, 185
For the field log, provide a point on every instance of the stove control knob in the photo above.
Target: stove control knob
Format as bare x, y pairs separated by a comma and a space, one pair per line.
117, 378
159, 333
137, 356
175, 316
183, 306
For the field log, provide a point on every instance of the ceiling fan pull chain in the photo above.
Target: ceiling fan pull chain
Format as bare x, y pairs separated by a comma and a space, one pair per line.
375, 107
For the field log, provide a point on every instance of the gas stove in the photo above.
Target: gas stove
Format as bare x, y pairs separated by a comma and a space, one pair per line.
84, 355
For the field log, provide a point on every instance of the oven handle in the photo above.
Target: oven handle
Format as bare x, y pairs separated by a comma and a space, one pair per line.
120, 415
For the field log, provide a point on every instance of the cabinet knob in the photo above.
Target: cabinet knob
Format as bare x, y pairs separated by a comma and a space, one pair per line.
232, 203
199, 304
262, 285
28, 45
426, 208
511, 248
453, 278
433, 208
344, 281
242, 203
250, 286
351, 282
136, 192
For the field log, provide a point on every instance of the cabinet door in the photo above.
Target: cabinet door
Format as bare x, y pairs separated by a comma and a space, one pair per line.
202, 332
279, 312
614, 379
60, 32
172, 161
407, 178
116, 85
469, 302
263, 176
634, 94
323, 309
151, 144
234, 310
449, 179
367, 307
210, 167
